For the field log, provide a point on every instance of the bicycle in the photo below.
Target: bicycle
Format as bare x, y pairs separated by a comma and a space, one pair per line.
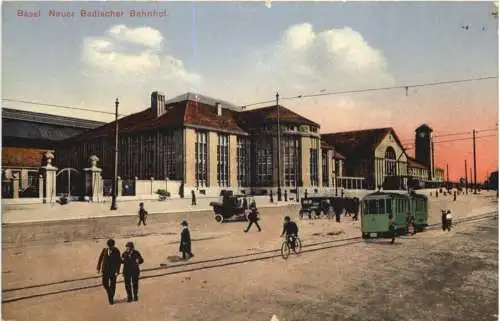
285, 247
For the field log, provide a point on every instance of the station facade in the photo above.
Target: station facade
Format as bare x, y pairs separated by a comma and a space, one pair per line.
211, 145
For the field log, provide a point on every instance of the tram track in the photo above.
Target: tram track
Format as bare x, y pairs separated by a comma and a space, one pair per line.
79, 284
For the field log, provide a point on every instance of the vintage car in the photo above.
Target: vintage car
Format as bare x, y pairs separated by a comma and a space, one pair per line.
230, 207
312, 207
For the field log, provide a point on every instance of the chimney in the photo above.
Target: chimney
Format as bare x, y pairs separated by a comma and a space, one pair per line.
219, 109
157, 103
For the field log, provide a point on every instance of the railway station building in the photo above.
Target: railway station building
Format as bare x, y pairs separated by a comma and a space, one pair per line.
210, 145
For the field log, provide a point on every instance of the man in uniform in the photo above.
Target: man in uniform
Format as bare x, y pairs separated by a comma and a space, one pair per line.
109, 264
131, 260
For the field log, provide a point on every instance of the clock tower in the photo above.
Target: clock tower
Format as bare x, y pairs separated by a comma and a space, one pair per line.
424, 148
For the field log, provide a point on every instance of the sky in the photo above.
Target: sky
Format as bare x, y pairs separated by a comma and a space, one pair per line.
243, 52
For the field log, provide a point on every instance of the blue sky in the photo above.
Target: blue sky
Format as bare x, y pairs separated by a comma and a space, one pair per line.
243, 52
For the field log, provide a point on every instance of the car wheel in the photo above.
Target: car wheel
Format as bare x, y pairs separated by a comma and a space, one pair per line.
219, 218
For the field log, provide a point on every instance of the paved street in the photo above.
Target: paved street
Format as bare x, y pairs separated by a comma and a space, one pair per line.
432, 276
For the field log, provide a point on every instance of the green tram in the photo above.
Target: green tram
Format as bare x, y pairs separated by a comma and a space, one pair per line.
376, 208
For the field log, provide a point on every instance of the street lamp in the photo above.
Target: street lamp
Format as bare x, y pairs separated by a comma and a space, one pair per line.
279, 147
115, 161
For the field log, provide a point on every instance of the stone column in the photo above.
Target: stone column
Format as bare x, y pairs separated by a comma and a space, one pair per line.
93, 180
40, 187
15, 185
49, 173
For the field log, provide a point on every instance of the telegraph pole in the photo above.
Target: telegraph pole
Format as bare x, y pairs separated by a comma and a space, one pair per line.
470, 178
447, 174
475, 166
115, 160
279, 147
466, 179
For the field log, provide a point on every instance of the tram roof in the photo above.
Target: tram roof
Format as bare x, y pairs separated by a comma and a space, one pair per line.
379, 194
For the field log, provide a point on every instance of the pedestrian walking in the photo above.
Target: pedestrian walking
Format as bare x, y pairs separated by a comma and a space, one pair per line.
131, 260
305, 193
108, 264
271, 199
392, 229
443, 219
193, 198
330, 212
142, 214
253, 218
286, 196
185, 246
279, 194
356, 209
448, 220
454, 196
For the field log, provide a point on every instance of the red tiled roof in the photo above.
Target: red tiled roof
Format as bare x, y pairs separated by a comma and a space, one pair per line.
179, 113
359, 143
269, 114
412, 162
22, 157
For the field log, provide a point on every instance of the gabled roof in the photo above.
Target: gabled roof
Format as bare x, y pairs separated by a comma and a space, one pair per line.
336, 155
267, 115
29, 116
204, 99
182, 113
412, 162
359, 144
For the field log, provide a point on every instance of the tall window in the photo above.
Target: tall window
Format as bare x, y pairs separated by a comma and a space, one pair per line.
243, 159
170, 155
223, 160
390, 162
149, 146
263, 163
291, 160
325, 167
201, 159
313, 166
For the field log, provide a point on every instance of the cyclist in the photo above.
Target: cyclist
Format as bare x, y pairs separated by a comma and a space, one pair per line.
292, 231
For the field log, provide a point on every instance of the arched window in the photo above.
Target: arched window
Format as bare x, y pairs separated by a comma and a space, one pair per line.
390, 162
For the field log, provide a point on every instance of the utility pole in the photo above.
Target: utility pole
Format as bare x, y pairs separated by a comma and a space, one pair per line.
115, 160
466, 179
447, 174
475, 165
279, 147
470, 179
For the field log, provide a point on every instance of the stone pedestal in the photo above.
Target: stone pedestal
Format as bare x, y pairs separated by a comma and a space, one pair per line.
40, 187
49, 173
15, 185
93, 180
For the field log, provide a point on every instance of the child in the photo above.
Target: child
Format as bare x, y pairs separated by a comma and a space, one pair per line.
142, 214
185, 246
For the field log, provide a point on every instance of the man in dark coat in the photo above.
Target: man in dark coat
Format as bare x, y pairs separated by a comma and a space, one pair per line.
109, 264
443, 219
193, 198
355, 209
392, 229
131, 260
185, 246
454, 196
142, 214
253, 217
338, 206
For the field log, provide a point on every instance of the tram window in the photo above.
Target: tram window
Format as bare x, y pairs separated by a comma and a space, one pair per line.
388, 206
381, 206
371, 207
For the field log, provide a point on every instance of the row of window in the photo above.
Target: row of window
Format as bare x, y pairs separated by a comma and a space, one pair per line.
262, 161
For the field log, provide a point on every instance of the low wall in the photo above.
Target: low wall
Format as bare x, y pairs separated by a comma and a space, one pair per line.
150, 187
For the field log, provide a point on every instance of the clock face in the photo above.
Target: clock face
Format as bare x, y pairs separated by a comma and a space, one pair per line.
422, 134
